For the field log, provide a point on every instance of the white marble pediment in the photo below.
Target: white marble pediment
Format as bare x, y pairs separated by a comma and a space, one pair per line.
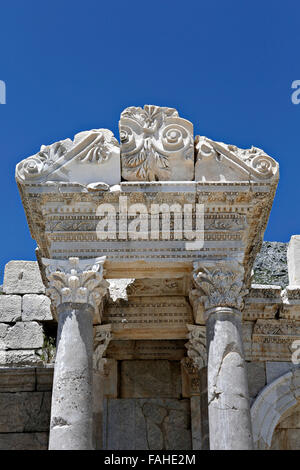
92, 157
216, 161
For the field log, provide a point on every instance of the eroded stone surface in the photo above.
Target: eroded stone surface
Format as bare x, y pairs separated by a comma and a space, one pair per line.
270, 266
22, 277
10, 308
36, 307
293, 259
27, 335
17, 380
228, 397
148, 424
140, 379
20, 358
24, 441
216, 161
93, 157
31, 412
256, 377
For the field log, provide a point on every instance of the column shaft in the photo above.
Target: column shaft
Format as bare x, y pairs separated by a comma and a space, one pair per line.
228, 398
71, 425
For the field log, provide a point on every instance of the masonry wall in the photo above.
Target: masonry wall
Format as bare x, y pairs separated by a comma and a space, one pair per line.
25, 403
26, 353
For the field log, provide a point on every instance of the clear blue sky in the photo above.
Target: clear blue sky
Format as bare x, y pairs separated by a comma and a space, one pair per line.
227, 66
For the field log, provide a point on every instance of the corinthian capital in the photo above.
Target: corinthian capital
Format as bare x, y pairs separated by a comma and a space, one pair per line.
219, 284
75, 280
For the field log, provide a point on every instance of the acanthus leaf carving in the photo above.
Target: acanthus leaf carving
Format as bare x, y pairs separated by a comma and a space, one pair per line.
102, 339
75, 280
219, 284
156, 144
196, 348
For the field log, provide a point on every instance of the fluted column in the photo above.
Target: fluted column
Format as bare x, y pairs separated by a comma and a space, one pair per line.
76, 288
219, 286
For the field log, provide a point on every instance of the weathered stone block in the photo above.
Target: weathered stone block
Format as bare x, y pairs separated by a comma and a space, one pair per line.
247, 331
24, 441
44, 378
148, 424
36, 307
26, 335
10, 308
256, 377
3, 333
293, 259
140, 379
25, 411
17, 380
20, 358
22, 277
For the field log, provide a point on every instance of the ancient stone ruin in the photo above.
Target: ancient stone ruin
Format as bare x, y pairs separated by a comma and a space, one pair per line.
141, 326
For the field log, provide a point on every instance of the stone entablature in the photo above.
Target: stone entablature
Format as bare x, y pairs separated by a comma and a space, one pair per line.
63, 186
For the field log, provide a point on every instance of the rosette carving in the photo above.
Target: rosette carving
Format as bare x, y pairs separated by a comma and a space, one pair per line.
156, 145
220, 284
75, 280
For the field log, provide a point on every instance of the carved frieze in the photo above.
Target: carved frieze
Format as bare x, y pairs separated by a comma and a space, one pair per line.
93, 157
172, 350
273, 339
150, 287
163, 317
216, 161
156, 145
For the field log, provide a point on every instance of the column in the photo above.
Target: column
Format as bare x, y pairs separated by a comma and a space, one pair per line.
219, 286
76, 288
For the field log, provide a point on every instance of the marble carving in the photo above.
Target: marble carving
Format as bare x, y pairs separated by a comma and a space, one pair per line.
156, 145
92, 157
216, 161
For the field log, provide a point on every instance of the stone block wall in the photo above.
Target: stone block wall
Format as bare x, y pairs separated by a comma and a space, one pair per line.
25, 403
25, 378
24, 309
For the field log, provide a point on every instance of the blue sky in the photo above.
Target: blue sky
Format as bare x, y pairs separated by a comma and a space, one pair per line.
227, 66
